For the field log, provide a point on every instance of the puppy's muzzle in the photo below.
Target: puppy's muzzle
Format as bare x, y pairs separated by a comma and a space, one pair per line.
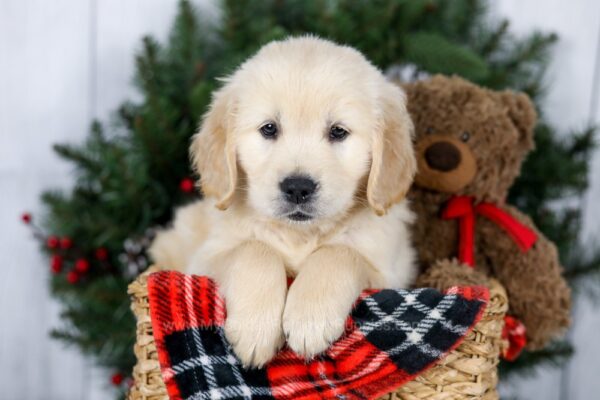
298, 189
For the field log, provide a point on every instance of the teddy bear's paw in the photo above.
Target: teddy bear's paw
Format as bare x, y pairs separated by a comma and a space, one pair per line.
447, 273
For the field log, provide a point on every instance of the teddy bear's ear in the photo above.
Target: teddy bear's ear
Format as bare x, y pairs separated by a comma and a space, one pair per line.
522, 113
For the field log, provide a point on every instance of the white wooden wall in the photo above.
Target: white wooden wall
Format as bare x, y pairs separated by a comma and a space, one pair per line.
64, 62
571, 103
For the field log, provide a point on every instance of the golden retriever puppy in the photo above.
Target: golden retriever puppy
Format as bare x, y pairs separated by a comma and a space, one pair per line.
305, 157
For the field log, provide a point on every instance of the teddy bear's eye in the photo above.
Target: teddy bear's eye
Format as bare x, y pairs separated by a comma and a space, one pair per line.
429, 130
465, 136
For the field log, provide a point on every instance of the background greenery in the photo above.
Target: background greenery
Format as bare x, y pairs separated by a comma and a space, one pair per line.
133, 171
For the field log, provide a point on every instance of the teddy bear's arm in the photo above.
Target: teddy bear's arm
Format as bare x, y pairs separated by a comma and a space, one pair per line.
445, 273
538, 294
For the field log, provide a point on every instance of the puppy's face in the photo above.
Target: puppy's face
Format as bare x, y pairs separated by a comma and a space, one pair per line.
309, 123
303, 140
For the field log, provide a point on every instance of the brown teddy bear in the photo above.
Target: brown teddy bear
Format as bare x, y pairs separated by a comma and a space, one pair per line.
470, 143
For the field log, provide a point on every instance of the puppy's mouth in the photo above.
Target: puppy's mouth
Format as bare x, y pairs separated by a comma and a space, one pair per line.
299, 216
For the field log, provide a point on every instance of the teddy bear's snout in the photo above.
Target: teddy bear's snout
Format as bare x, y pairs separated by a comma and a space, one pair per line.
443, 156
444, 163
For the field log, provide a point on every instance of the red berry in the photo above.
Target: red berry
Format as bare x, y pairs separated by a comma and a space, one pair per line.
66, 243
101, 253
52, 242
82, 265
56, 263
186, 185
26, 218
117, 379
72, 277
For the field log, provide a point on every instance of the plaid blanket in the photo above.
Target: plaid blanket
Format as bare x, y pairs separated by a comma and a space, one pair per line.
393, 336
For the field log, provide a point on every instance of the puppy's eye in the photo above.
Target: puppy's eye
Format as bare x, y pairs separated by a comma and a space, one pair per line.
337, 133
465, 136
269, 130
429, 130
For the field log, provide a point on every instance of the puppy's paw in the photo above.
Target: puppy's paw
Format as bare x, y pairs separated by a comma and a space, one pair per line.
255, 335
312, 323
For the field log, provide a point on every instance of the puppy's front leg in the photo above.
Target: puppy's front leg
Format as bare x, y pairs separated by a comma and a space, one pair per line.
253, 282
321, 298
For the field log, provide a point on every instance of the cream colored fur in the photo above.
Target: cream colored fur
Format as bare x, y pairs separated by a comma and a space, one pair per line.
240, 234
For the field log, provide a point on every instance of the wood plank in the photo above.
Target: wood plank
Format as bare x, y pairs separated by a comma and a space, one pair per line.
121, 26
44, 81
568, 107
571, 71
583, 372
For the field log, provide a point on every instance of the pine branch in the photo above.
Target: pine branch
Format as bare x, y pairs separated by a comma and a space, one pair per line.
583, 272
435, 54
82, 158
495, 39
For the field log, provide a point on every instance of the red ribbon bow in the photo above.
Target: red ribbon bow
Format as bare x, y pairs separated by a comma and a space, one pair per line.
514, 331
462, 208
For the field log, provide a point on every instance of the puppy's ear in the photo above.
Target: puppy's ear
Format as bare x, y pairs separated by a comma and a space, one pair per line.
213, 149
393, 164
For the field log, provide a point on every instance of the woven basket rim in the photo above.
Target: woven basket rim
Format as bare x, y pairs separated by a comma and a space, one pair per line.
468, 372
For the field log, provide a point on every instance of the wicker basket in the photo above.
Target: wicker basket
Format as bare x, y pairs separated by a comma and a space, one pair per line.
468, 372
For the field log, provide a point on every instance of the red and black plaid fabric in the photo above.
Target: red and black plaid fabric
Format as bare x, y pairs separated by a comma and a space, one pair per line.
394, 336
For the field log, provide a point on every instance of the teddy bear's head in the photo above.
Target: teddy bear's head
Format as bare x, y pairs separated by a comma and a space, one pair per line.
469, 140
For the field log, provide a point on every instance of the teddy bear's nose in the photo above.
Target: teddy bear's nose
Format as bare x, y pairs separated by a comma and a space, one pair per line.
443, 156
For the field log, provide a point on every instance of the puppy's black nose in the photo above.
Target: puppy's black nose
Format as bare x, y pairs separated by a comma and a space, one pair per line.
298, 189
443, 156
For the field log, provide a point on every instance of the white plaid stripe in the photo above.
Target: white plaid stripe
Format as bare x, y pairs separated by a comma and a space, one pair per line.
415, 335
229, 392
207, 362
235, 368
209, 373
344, 343
328, 381
458, 329
202, 360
